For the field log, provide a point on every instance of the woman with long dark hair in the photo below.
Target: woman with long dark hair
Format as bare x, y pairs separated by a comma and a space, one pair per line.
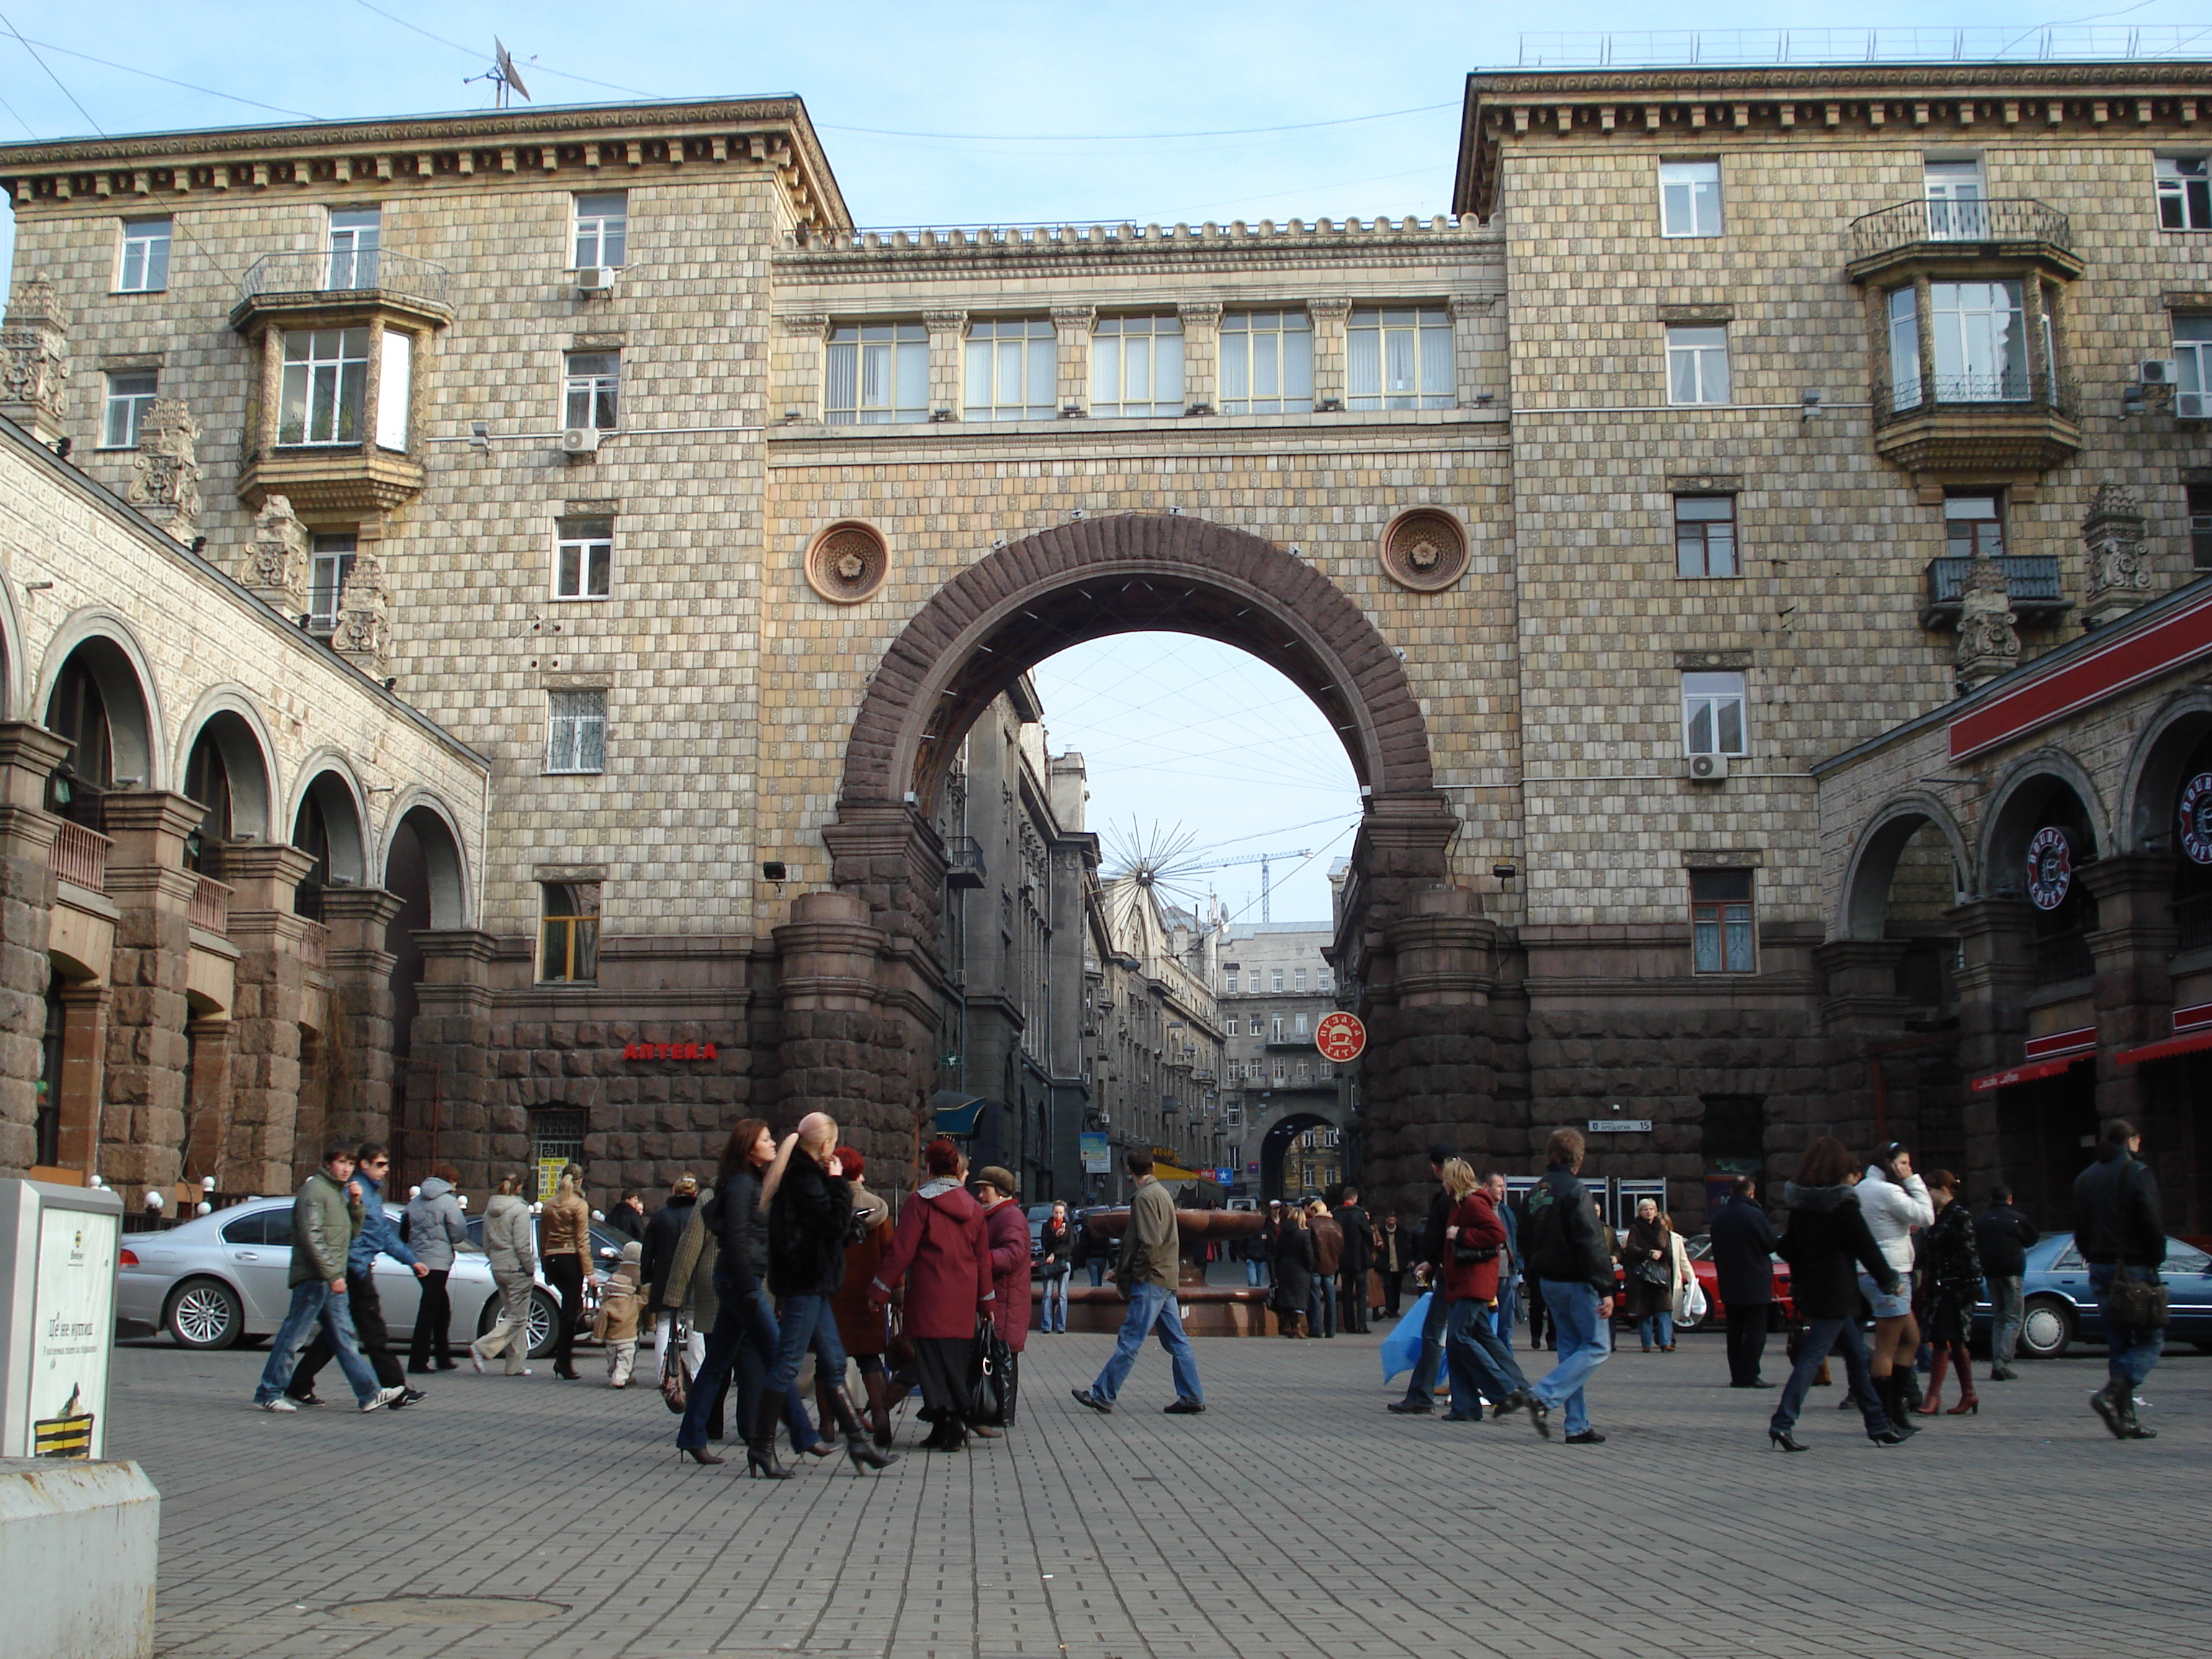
1895, 1201
1056, 1249
1825, 1246
942, 1250
1951, 1284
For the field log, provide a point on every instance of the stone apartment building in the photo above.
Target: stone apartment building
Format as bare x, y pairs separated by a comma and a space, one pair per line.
1710, 436
1282, 1102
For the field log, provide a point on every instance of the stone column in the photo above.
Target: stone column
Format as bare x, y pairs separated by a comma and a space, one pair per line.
85, 1011
2133, 944
1330, 368
28, 755
1994, 935
1860, 1014
1201, 356
1072, 327
829, 1054
361, 1011
142, 1132
948, 332
207, 1097
34, 360
270, 983
449, 1049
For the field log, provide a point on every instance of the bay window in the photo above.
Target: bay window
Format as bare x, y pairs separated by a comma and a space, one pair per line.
1980, 331
325, 387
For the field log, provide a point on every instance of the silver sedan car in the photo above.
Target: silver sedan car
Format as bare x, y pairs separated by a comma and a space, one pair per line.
221, 1279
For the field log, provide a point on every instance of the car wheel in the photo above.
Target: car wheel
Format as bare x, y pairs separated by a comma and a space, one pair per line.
203, 1313
2047, 1329
545, 1322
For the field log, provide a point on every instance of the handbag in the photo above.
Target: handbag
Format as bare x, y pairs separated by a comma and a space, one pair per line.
1466, 1256
1656, 1272
676, 1367
990, 1377
2137, 1305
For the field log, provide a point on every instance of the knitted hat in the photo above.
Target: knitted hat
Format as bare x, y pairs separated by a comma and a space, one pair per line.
633, 1251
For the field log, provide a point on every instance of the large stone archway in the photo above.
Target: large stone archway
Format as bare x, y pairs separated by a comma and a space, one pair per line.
859, 980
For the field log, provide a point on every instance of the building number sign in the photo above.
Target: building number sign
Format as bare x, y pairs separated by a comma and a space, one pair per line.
2049, 868
2197, 818
1340, 1037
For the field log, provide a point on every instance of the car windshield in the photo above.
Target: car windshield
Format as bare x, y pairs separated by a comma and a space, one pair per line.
2182, 1258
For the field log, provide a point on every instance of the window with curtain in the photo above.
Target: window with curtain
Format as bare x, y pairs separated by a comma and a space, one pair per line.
1689, 198
354, 236
1136, 366
394, 389
1903, 348
1713, 713
1697, 364
1956, 210
576, 731
584, 559
130, 393
1704, 536
1266, 362
1723, 939
1013, 370
2192, 350
325, 387
1981, 342
592, 389
878, 374
1399, 358
330, 563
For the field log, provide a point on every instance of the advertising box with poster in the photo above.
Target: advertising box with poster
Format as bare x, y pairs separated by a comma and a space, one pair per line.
57, 1255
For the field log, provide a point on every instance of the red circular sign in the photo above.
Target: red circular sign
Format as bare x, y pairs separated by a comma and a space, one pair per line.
1340, 1037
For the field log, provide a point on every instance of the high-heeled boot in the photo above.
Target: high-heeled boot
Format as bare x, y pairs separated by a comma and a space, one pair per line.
879, 1385
1969, 1401
1934, 1402
857, 1448
760, 1440
1894, 1404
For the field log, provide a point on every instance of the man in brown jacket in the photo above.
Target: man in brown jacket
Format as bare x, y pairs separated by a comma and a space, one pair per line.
1328, 1256
1146, 1276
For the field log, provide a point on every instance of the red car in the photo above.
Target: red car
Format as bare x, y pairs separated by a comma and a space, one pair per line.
1700, 1249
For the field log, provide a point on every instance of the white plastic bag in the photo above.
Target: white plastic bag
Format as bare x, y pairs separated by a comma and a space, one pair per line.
1689, 1308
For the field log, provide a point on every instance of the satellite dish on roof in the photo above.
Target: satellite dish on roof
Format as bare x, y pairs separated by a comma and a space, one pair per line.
504, 77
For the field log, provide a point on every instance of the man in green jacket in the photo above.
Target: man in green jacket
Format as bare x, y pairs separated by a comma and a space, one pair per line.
325, 1217
1146, 1276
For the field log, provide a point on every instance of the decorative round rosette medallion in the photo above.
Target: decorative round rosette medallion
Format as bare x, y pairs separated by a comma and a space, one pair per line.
1425, 548
2197, 818
2049, 868
848, 562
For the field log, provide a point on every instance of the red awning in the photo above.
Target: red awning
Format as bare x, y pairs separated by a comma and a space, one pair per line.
2006, 1079
2165, 1050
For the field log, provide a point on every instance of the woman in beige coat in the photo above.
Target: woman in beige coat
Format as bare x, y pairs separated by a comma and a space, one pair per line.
568, 1235
511, 1244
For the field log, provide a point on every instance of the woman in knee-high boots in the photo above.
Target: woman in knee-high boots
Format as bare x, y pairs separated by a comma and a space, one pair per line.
1895, 1201
1953, 1285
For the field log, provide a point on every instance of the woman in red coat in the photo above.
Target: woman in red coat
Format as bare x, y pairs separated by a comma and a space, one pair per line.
1008, 1229
1482, 1366
941, 1249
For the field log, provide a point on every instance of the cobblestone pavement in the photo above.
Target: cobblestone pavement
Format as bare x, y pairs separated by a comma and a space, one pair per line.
1295, 1518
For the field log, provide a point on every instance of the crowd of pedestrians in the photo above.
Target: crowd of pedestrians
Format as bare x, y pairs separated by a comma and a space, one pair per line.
788, 1258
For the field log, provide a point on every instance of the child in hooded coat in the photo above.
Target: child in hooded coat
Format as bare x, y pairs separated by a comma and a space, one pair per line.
620, 1306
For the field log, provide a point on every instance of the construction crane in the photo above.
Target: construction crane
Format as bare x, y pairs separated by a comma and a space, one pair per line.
1261, 858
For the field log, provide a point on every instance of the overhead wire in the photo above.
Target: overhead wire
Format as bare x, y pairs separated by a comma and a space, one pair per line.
168, 80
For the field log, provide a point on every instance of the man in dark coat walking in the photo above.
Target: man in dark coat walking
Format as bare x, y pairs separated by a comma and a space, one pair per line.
1358, 1257
2002, 1235
2122, 1236
1743, 1248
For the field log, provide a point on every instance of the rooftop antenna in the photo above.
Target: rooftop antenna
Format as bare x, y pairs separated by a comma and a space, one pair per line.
506, 82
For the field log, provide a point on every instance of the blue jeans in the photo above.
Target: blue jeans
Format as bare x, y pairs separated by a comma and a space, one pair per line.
1823, 1337
1482, 1367
1150, 1308
1321, 1305
314, 1307
1664, 1333
1432, 1361
743, 1342
1097, 1273
1509, 1308
1055, 1296
2128, 1354
807, 1322
1585, 1341
1256, 1273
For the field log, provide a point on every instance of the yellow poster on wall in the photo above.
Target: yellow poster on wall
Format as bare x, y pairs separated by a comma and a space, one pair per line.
548, 1177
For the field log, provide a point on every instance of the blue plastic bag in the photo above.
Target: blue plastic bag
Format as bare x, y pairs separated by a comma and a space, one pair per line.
1401, 1349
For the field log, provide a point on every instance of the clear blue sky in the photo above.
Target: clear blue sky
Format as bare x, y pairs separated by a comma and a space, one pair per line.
962, 112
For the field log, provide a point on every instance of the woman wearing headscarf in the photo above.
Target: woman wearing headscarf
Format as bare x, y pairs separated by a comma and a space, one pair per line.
1008, 1232
1294, 1272
1951, 1284
510, 1243
862, 1331
941, 1249
566, 1229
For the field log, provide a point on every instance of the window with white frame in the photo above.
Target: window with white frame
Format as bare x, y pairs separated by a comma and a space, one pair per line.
1232, 1116
576, 731
1704, 536
130, 393
1299, 1026
1689, 198
1136, 366
330, 564
1697, 364
584, 559
2198, 498
1713, 713
143, 266
591, 387
354, 236
1013, 371
602, 234
1266, 362
394, 389
1903, 348
1981, 342
1321, 979
1956, 209
1278, 1030
1277, 978
878, 374
2184, 192
2192, 349
1722, 938
1399, 358
1299, 979
1232, 985
1281, 1073
325, 387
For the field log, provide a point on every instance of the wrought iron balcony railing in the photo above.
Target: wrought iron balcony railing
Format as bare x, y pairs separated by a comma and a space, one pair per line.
1994, 394
2030, 579
2013, 220
963, 863
367, 271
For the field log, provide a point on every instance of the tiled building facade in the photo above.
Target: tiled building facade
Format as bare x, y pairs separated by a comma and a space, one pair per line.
1276, 987
1593, 516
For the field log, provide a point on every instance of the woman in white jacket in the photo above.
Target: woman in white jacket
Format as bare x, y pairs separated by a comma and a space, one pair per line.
1895, 1201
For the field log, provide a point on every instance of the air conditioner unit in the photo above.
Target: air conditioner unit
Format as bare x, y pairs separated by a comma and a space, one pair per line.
580, 440
2158, 371
595, 280
1706, 768
2192, 406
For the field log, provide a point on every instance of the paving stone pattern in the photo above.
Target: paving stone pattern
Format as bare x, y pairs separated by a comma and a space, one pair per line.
1327, 1527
